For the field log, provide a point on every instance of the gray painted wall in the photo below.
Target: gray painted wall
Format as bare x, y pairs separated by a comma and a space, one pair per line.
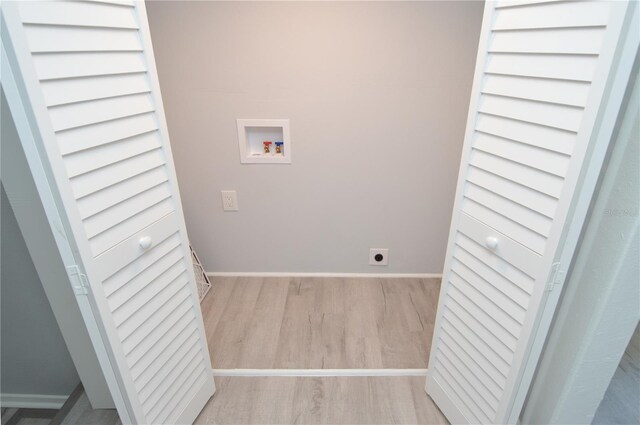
34, 357
377, 94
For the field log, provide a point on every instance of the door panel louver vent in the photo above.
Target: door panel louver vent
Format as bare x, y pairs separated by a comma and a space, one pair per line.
91, 79
540, 75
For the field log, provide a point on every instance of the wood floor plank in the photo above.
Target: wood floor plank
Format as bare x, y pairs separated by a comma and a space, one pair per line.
320, 400
362, 339
400, 327
229, 336
327, 349
295, 334
265, 325
320, 323
215, 301
328, 341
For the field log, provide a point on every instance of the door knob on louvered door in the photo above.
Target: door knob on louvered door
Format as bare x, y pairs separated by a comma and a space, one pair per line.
145, 242
491, 243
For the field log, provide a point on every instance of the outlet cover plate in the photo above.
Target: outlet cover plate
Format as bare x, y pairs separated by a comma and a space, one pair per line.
229, 200
385, 257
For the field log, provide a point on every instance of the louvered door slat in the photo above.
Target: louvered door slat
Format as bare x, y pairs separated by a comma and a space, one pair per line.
154, 345
523, 154
453, 349
166, 285
103, 178
476, 404
152, 340
486, 303
451, 388
150, 334
89, 160
169, 387
65, 91
549, 115
507, 341
481, 397
547, 65
493, 289
85, 64
112, 217
113, 195
582, 41
507, 4
170, 345
145, 278
149, 394
516, 193
525, 176
90, 76
51, 39
83, 14
173, 390
475, 348
66, 117
543, 90
540, 76
527, 133
170, 413
114, 2
82, 138
150, 283
559, 15
527, 217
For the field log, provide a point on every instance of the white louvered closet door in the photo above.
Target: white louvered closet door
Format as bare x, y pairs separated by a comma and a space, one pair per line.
88, 73
540, 78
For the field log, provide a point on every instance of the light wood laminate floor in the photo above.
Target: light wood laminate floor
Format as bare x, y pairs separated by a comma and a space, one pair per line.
300, 400
320, 400
320, 323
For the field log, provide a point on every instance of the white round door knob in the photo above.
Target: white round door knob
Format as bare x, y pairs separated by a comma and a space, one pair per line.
145, 242
491, 242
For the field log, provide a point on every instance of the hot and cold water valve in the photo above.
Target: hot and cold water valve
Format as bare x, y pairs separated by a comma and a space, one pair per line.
279, 150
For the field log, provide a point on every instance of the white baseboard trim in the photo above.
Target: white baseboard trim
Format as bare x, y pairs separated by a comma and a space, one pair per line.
32, 401
318, 372
355, 275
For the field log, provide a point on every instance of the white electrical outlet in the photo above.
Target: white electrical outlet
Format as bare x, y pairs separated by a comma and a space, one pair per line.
379, 257
229, 200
